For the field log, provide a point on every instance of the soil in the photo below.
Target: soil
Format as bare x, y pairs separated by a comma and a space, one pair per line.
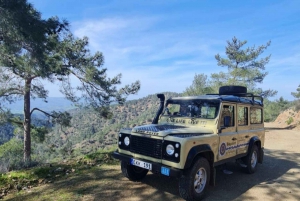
278, 178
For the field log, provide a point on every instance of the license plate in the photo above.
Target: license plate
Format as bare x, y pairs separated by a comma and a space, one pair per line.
165, 171
141, 164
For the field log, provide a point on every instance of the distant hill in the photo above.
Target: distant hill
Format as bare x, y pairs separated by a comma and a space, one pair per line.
53, 103
89, 131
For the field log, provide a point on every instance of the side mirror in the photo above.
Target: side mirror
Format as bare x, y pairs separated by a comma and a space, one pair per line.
227, 123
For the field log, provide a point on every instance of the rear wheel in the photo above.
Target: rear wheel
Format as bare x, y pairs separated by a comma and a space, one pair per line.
133, 173
193, 183
251, 160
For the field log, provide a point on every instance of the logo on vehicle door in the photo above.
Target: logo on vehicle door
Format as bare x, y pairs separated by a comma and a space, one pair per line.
222, 150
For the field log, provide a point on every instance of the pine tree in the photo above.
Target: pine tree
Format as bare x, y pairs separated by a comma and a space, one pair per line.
200, 86
33, 49
244, 67
296, 94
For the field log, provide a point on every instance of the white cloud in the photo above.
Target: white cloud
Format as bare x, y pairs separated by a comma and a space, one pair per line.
164, 53
161, 60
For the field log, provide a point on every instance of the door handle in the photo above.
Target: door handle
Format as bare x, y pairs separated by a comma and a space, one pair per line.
234, 139
247, 136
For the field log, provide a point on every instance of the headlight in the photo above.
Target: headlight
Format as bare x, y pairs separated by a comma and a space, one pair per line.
126, 141
170, 150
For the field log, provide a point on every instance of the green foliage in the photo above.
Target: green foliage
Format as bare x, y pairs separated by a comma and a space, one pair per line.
103, 155
296, 94
38, 133
199, 86
290, 120
244, 66
297, 105
33, 49
297, 101
273, 108
11, 154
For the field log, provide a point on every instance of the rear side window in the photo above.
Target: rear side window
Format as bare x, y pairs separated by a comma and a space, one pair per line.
242, 116
256, 116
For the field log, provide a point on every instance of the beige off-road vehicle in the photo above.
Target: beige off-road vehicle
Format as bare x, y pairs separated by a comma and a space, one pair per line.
190, 136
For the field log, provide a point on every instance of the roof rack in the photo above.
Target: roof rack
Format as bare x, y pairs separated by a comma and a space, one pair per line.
243, 95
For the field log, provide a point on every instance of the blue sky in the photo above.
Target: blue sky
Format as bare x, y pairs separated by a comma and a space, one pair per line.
165, 43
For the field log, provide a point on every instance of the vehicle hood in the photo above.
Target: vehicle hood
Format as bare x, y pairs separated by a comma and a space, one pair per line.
164, 130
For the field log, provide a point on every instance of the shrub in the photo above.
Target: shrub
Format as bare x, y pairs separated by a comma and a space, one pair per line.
297, 107
290, 120
11, 155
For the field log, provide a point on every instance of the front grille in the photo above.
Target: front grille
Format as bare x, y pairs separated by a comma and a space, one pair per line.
146, 146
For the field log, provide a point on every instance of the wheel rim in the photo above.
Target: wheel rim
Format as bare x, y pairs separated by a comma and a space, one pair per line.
200, 180
254, 159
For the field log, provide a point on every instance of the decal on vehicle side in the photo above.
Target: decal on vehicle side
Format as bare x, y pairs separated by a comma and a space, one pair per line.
223, 147
222, 150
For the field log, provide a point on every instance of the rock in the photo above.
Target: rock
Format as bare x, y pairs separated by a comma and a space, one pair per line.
59, 169
18, 187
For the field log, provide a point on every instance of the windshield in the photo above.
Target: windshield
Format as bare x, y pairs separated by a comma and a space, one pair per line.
207, 109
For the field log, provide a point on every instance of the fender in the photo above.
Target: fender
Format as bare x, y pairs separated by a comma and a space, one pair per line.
253, 141
195, 151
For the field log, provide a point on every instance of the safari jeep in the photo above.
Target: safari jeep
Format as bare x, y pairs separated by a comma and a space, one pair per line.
190, 136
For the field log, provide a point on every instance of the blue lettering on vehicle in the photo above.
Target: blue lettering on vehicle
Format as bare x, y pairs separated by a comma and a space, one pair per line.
237, 146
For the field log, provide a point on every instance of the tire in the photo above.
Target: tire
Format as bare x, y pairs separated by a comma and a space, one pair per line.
251, 160
133, 173
189, 189
228, 90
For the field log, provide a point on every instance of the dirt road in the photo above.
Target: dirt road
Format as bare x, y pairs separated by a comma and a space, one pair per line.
278, 178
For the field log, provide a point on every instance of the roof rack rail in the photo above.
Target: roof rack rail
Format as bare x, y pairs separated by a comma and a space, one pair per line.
243, 95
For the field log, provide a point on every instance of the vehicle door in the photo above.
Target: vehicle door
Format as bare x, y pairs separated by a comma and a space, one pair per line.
227, 131
243, 129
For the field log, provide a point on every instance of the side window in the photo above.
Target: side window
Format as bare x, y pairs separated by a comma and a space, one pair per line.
227, 116
242, 116
256, 116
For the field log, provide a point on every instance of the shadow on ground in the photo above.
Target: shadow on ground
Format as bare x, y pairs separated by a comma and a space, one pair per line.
107, 183
283, 128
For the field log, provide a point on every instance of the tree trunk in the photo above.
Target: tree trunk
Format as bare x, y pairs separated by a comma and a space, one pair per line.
27, 123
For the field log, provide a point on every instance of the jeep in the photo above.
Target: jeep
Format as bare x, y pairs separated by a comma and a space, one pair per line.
190, 136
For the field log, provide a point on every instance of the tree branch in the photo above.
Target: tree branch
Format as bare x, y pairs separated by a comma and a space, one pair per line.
11, 91
46, 113
86, 81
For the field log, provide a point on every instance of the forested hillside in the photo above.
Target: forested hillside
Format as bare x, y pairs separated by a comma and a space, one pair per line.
6, 132
89, 132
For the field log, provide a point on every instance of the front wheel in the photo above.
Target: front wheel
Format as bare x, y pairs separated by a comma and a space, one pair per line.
133, 173
251, 160
193, 183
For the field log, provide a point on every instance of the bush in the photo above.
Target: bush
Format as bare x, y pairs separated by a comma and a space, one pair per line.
11, 155
290, 120
297, 106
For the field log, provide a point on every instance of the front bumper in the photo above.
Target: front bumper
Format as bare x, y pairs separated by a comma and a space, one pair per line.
156, 167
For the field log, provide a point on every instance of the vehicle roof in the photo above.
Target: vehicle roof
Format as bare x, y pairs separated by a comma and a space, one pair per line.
229, 98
